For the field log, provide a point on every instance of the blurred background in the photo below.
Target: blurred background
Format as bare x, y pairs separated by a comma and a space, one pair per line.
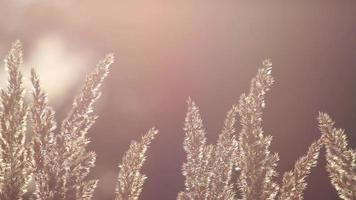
209, 50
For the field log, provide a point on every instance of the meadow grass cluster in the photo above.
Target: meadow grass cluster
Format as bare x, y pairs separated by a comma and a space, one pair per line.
56, 158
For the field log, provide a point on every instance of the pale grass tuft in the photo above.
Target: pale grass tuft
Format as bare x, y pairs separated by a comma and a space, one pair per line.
341, 160
15, 154
293, 183
61, 159
43, 127
257, 163
196, 168
208, 170
73, 161
130, 179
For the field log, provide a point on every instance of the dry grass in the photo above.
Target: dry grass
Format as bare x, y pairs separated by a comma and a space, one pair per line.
59, 162
209, 168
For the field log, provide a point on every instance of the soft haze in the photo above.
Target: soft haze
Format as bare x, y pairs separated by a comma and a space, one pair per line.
208, 50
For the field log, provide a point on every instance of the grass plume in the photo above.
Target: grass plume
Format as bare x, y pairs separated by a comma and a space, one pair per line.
293, 182
257, 163
208, 170
15, 154
72, 160
130, 179
341, 160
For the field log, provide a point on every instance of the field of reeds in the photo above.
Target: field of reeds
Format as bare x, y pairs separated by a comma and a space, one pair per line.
54, 158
